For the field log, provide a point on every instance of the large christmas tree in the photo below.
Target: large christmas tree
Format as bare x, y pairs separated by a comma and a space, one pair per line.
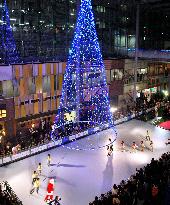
85, 92
8, 53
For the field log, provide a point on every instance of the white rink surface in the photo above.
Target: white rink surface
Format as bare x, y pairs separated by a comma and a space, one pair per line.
81, 175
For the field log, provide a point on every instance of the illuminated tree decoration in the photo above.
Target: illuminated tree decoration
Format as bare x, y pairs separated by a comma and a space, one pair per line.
1, 44
85, 92
8, 47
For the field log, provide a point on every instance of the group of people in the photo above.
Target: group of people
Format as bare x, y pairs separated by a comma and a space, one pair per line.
7, 195
50, 188
125, 112
36, 176
36, 179
27, 139
134, 146
142, 145
149, 186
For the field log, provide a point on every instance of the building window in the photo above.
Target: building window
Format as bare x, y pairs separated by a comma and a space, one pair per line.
2, 114
8, 88
101, 9
1, 88
100, 24
55, 82
46, 84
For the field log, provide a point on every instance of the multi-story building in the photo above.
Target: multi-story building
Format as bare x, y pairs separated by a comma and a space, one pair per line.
44, 30
29, 92
155, 25
152, 77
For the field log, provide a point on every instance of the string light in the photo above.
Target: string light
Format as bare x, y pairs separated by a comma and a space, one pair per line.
110, 134
7, 43
85, 88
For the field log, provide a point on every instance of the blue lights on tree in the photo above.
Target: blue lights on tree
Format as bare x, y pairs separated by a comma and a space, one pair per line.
7, 43
85, 92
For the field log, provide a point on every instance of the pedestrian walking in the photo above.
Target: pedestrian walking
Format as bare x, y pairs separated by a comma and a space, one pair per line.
36, 186
49, 160
142, 146
34, 177
39, 169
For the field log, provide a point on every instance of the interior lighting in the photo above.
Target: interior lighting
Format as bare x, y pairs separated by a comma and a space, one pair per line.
165, 92
113, 109
3, 132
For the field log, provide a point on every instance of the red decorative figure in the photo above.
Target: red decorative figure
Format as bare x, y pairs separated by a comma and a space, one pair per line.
50, 191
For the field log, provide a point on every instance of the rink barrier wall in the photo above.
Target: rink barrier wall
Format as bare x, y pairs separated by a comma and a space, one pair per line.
53, 144
162, 128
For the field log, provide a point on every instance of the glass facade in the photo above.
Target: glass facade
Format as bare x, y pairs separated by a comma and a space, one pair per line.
43, 30
155, 26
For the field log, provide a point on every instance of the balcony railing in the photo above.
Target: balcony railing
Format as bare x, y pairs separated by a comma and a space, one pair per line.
150, 54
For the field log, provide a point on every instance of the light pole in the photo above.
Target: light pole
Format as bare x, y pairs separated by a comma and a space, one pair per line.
136, 52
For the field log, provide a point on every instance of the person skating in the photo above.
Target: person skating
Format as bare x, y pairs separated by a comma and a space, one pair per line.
168, 142
50, 191
151, 146
39, 169
56, 201
142, 146
49, 160
148, 136
34, 177
110, 148
134, 146
36, 186
122, 146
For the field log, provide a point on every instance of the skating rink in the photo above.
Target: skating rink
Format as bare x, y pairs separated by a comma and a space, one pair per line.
81, 175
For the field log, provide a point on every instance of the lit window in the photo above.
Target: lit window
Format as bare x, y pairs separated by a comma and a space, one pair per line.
2, 113
101, 9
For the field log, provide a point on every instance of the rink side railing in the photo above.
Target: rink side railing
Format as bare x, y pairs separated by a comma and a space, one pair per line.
53, 144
